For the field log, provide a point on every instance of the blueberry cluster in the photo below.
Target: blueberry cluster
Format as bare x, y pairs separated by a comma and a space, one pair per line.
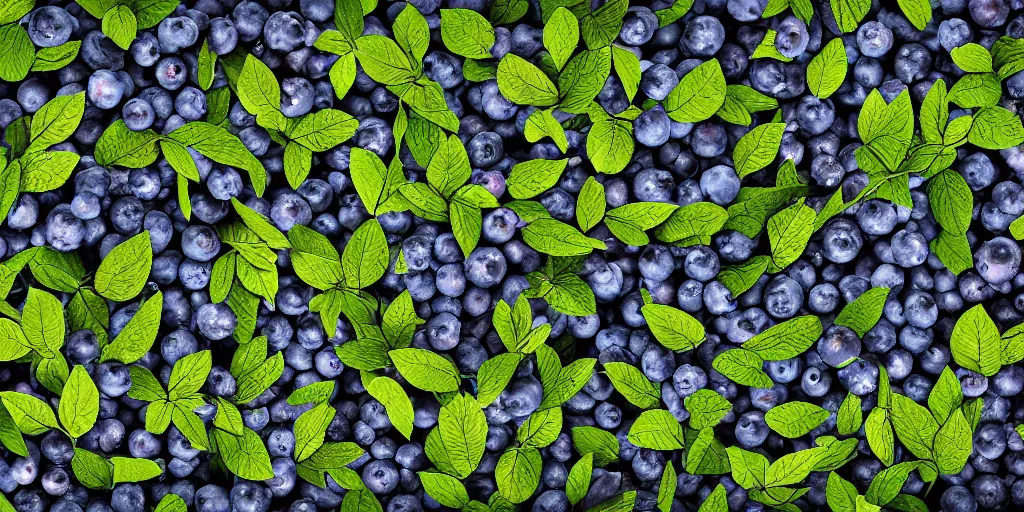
499, 255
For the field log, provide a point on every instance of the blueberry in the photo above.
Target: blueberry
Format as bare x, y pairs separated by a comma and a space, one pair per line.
50, 26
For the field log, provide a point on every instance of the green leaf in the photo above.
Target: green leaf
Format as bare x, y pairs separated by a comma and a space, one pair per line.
310, 428
365, 258
124, 271
836, 454
449, 168
887, 483
953, 444
741, 277
972, 58
700, 94
976, 90
878, 430
189, 374
314, 259
657, 429
542, 123
323, 130
46, 171
742, 367
675, 329
260, 93
717, 501
462, 428
494, 375
120, 25
792, 468
16, 53
633, 385
525, 84
767, 48
863, 313
91, 470
254, 372
137, 337
627, 68
395, 401
827, 70
42, 320
412, 33
561, 35
32, 415
556, 238
221, 146
467, 33
79, 403
505, 12
120, 146
914, 425
887, 130
384, 61
10, 435
975, 342
919, 12
706, 455
541, 428
672, 13
693, 224
244, 455
849, 13
171, 503
56, 120
706, 408
570, 380
151, 12
628, 222
946, 396
591, 204
954, 251
788, 232
582, 80
840, 494
446, 490
1012, 345
592, 440
667, 488
518, 473
786, 340
610, 144
996, 128
795, 419
14, 10
228, 418
578, 482
749, 469
603, 25
850, 415
127, 469
52, 372
56, 57
426, 370
532, 177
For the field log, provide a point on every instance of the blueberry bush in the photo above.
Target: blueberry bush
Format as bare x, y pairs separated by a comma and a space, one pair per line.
500, 255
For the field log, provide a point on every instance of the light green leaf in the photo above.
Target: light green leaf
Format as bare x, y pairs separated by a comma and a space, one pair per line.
79, 403
127, 469
395, 401
494, 374
32, 415
541, 428
91, 470
673, 328
953, 444
446, 490
742, 367
633, 385
878, 430
972, 58
795, 419
996, 128
788, 232
601, 443
462, 428
561, 35
863, 313
946, 396
310, 428
657, 429
850, 415
532, 177
16, 53
56, 57
426, 370
693, 224
975, 342
467, 33
700, 94
365, 258
124, 272
706, 408
827, 70
840, 494
610, 145
120, 25
582, 80
244, 455
914, 425
518, 473
849, 13
556, 238
786, 340
578, 482
323, 130
919, 12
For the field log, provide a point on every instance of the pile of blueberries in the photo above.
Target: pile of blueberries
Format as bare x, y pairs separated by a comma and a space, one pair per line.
155, 85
